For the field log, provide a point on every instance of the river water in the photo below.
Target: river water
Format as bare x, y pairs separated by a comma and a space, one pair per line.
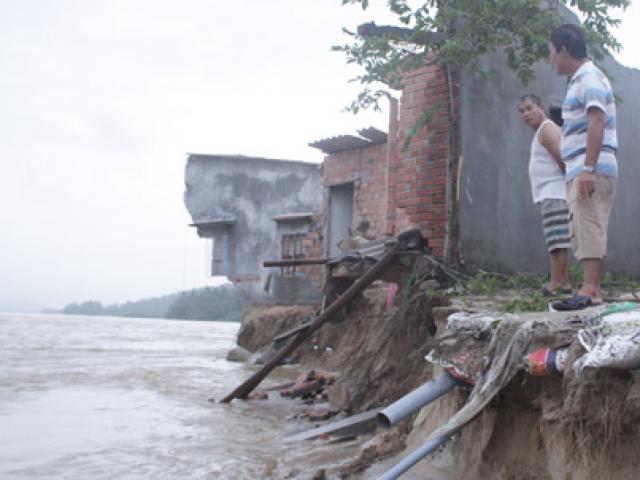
114, 398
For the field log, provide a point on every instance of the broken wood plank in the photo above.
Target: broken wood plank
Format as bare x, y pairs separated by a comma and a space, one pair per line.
355, 424
292, 262
281, 386
363, 282
290, 332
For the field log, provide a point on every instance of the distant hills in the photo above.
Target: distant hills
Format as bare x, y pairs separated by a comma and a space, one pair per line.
224, 303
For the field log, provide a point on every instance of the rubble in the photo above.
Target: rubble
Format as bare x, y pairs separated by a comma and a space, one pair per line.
525, 413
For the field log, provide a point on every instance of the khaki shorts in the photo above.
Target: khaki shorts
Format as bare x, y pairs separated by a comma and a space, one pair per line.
589, 218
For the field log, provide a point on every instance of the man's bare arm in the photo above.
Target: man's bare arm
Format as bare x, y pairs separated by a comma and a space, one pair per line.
550, 139
595, 135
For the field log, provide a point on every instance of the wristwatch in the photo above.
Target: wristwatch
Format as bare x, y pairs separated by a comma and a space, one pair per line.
589, 168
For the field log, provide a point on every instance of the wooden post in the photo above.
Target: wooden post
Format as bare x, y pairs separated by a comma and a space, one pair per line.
363, 282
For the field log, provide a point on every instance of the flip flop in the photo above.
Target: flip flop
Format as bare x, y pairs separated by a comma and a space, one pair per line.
547, 292
577, 302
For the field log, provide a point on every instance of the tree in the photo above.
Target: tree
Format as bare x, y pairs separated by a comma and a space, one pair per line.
459, 32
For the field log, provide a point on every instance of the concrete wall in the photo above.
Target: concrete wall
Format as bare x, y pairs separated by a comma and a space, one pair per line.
500, 226
250, 191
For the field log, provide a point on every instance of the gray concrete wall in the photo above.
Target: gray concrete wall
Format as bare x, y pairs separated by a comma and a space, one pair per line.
500, 226
251, 191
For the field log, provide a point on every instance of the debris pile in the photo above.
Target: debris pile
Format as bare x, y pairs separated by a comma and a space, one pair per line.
545, 395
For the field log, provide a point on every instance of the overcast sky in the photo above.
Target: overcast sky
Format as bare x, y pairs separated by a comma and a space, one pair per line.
100, 100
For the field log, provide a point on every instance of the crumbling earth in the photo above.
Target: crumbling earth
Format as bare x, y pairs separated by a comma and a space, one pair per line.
554, 427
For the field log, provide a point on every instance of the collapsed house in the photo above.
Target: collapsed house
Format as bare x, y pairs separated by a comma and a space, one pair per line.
254, 209
461, 180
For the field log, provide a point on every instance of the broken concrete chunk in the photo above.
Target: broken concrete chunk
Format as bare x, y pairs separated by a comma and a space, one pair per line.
258, 395
317, 412
238, 354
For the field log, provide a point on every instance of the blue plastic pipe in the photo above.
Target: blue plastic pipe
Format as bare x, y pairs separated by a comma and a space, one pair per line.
417, 399
414, 457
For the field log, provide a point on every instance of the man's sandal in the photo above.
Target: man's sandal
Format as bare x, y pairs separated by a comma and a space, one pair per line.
577, 302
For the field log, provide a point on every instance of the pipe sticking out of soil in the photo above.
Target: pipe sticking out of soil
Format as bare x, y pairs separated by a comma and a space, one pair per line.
417, 399
414, 457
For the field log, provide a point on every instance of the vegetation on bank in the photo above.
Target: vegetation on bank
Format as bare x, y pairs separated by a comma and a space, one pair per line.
525, 289
224, 303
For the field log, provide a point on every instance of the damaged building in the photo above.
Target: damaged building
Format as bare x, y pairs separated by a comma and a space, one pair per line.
253, 209
461, 183
462, 179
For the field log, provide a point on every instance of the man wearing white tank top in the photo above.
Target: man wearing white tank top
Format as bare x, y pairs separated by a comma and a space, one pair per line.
548, 187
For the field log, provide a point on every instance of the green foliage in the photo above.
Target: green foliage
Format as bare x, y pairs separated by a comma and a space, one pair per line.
219, 303
486, 283
459, 32
424, 119
615, 284
224, 303
154, 307
90, 307
575, 274
532, 303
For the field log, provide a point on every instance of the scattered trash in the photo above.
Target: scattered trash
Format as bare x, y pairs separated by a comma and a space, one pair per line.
611, 339
545, 361
472, 368
477, 323
308, 385
391, 295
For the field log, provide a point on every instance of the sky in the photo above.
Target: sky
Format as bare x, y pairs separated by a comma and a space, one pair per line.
101, 100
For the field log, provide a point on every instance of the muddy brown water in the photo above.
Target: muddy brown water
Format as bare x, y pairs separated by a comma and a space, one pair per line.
101, 397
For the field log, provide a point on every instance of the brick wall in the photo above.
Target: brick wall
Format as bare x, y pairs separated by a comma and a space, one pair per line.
396, 188
365, 167
419, 173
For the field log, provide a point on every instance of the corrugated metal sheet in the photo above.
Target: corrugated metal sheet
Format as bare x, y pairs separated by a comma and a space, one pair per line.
368, 137
373, 134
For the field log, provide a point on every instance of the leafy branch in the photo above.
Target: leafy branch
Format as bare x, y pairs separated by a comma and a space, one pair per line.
459, 32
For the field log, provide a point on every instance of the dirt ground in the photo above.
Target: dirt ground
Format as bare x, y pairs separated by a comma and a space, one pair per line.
555, 427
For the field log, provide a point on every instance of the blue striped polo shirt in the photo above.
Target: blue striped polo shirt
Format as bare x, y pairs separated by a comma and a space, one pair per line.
589, 87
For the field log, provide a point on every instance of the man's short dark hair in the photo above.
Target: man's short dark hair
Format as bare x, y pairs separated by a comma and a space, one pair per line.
532, 97
572, 38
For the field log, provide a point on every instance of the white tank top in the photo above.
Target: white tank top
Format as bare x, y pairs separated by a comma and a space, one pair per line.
547, 180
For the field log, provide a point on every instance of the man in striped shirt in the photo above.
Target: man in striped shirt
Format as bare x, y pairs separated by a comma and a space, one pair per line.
588, 148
